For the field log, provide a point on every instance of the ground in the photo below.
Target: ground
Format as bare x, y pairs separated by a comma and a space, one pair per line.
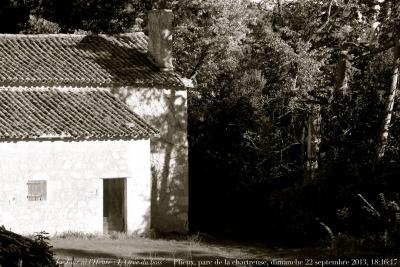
149, 252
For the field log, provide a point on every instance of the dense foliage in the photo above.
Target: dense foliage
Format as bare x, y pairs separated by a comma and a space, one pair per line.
283, 137
294, 123
16, 249
71, 15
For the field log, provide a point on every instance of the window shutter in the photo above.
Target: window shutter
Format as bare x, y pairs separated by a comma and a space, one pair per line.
37, 190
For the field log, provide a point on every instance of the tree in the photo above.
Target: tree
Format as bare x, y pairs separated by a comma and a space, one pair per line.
392, 14
206, 33
97, 16
14, 15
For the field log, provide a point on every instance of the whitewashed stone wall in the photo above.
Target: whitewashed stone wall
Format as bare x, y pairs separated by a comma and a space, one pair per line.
166, 110
74, 173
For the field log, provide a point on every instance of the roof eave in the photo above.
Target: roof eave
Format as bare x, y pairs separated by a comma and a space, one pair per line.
73, 139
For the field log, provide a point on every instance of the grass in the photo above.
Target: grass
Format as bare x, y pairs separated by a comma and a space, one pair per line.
122, 245
168, 251
116, 246
69, 235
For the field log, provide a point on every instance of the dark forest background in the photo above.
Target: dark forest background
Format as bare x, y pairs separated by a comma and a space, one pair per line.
294, 122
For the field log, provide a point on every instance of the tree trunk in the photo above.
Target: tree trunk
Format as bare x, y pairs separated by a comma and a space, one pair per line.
389, 103
313, 142
341, 83
333, 113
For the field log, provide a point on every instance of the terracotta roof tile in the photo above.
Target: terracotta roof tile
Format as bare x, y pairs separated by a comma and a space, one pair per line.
79, 60
86, 113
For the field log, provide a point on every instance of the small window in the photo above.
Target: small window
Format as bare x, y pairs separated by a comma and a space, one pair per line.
37, 190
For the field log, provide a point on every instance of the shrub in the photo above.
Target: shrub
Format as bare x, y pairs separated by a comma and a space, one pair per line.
76, 235
32, 252
378, 234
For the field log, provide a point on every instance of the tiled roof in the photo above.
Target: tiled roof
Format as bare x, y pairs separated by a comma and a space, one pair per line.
49, 113
79, 60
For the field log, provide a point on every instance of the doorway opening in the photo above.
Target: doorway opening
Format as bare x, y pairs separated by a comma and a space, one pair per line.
114, 205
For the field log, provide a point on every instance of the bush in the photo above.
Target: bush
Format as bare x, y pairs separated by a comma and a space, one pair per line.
32, 252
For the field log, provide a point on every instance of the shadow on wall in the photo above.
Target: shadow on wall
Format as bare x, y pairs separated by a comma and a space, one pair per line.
166, 110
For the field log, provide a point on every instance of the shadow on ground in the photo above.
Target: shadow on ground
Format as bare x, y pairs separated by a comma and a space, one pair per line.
80, 253
153, 259
78, 257
146, 252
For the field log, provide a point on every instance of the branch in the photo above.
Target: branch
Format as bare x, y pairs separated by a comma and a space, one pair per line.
261, 162
278, 2
203, 55
276, 152
252, 142
385, 47
326, 22
368, 206
285, 148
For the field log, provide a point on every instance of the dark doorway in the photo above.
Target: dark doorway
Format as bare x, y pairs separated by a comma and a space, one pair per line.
114, 205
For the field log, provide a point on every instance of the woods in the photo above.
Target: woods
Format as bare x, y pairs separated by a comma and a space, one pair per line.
294, 120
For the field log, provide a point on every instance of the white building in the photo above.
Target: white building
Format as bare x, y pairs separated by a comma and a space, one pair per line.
92, 132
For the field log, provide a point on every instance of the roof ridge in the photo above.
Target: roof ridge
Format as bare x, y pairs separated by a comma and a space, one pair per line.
81, 60
68, 35
48, 88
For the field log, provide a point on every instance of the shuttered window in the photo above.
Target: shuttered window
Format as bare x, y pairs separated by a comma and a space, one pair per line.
37, 190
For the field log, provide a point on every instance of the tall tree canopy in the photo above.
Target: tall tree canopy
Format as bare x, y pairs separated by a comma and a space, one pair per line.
14, 15
71, 15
